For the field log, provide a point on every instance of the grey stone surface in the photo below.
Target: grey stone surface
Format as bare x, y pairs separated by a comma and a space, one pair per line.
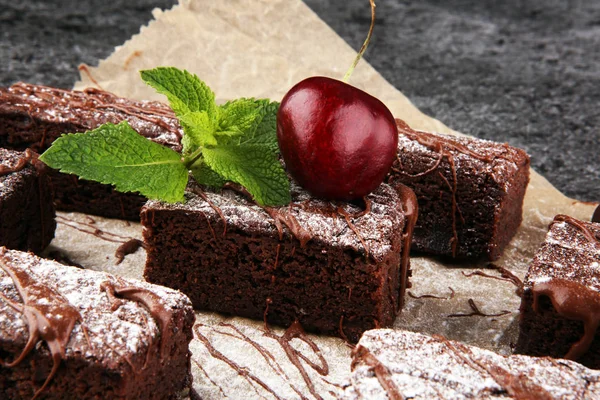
522, 71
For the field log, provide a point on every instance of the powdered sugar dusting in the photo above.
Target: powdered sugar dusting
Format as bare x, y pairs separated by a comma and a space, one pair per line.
567, 254
424, 367
319, 217
111, 337
500, 168
10, 182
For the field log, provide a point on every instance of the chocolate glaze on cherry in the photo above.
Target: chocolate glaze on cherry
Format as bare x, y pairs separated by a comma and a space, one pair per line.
337, 141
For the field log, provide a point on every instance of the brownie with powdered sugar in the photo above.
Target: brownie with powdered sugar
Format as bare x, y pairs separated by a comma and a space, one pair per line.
33, 116
470, 192
560, 305
388, 364
337, 268
70, 333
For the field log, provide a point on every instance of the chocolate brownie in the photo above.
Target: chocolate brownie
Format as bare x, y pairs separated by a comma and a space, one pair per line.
560, 307
26, 211
396, 365
470, 192
70, 333
34, 116
336, 268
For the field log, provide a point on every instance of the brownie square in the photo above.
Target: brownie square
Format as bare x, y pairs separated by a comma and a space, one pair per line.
560, 306
470, 192
70, 333
335, 268
389, 364
27, 216
33, 116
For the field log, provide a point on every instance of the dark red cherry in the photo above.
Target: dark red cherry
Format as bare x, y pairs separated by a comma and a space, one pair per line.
337, 141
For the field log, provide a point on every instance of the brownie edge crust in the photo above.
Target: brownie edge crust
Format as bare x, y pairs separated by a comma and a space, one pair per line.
70, 333
335, 269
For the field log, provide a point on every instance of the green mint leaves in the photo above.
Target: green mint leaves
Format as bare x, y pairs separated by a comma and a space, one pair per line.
234, 142
118, 155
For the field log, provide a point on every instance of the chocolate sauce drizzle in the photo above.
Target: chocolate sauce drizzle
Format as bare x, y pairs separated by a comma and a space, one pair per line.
49, 315
129, 247
517, 386
286, 218
443, 147
432, 296
21, 164
243, 372
573, 301
152, 302
100, 99
295, 331
477, 312
382, 373
583, 228
411, 212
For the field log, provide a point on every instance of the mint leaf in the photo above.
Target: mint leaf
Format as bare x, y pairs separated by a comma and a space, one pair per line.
254, 167
185, 92
192, 101
204, 175
238, 117
198, 131
263, 130
118, 155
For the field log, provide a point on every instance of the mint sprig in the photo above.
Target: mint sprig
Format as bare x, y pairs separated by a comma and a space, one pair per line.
234, 142
118, 155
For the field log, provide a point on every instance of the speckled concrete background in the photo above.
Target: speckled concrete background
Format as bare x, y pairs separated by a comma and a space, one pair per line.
522, 71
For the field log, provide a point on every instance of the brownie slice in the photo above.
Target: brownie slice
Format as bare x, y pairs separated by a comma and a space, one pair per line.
70, 333
560, 306
34, 116
335, 268
470, 192
26, 211
389, 364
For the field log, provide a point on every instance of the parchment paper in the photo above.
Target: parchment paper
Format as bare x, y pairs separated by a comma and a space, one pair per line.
260, 48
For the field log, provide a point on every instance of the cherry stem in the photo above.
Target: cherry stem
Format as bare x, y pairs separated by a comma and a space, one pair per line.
364, 46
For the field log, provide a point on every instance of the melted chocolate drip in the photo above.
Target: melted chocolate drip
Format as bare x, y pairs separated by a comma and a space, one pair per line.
477, 312
285, 217
432, 296
92, 230
151, 301
295, 331
444, 148
573, 301
382, 373
587, 232
517, 386
49, 317
98, 99
212, 205
129, 247
509, 276
263, 351
21, 164
411, 211
243, 372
